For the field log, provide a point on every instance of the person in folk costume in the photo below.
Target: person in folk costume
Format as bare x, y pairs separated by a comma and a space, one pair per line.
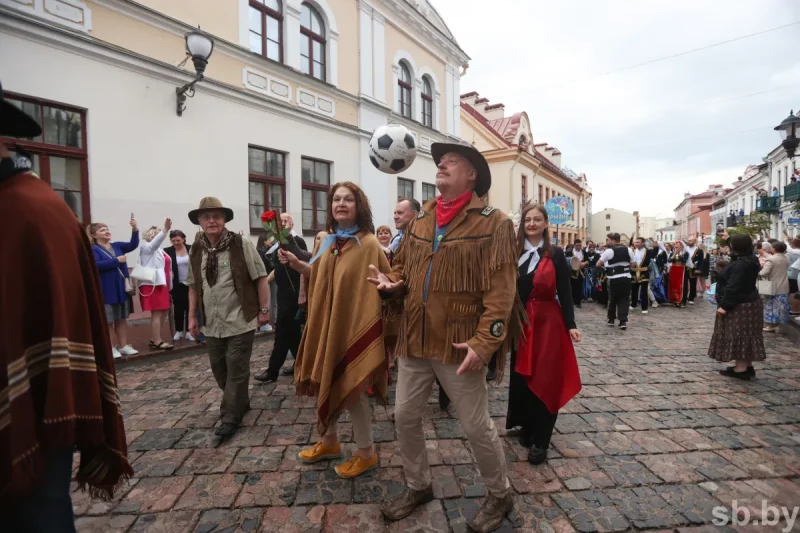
58, 385
544, 369
642, 256
342, 352
457, 268
694, 269
657, 277
591, 263
678, 276
618, 259
577, 258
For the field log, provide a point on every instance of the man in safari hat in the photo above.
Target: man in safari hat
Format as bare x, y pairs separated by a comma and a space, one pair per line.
58, 388
458, 264
228, 281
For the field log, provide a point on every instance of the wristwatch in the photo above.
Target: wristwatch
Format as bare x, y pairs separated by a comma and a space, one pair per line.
264, 311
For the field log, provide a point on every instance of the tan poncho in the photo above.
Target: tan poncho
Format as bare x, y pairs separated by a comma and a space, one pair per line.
342, 351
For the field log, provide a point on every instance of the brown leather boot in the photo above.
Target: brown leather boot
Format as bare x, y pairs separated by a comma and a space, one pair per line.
491, 513
404, 505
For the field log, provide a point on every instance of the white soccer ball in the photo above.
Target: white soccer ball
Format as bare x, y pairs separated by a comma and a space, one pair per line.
392, 148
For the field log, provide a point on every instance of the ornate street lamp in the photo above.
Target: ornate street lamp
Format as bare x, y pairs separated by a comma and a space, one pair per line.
789, 130
199, 46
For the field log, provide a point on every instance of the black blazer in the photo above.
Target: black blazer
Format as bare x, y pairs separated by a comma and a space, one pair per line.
170, 251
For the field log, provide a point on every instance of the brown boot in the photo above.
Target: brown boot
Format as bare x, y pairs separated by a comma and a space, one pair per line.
491, 513
404, 505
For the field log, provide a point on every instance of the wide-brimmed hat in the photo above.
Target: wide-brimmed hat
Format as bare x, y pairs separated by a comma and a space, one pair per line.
15, 122
484, 180
209, 203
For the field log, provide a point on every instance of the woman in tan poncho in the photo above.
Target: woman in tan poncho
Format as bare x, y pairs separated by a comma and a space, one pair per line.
342, 350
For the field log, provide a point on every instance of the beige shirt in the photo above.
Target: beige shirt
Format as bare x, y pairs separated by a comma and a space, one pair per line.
224, 315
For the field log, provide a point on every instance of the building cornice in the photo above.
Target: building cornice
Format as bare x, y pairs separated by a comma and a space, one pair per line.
34, 29
178, 28
436, 42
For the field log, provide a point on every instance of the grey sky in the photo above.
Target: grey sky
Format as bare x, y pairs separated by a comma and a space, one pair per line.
643, 136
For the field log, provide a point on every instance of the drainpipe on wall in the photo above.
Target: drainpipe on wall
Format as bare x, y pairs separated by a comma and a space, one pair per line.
511, 180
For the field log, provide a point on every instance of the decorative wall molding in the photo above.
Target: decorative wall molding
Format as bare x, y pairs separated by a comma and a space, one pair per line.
33, 29
265, 84
312, 101
70, 13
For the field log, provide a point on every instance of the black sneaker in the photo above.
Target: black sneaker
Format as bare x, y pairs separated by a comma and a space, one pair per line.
731, 373
623, 325
611, 322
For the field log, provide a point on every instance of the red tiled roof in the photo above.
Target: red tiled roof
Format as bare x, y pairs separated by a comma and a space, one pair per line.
471, 93
488, 124
495, 106
508, 126
481, 100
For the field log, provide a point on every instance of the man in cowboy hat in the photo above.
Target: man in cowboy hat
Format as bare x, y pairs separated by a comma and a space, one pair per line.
58, 388
458, 266
227, 279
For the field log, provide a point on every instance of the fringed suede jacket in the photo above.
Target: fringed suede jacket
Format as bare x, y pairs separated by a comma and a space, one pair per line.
464, 292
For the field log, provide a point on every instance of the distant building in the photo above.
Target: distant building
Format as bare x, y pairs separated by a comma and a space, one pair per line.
665, 234
612, 220
690, 208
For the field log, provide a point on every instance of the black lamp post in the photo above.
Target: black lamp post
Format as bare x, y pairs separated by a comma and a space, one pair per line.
199, 47
788, 130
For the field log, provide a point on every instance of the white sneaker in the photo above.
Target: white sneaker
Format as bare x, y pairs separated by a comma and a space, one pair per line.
268, 328
691, 302
654, 305
632, 307
128, 350
115, 352
644, 312
189, 337
178, 336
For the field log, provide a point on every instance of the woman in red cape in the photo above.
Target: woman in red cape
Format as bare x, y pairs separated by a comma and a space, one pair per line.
677, 276
544, 369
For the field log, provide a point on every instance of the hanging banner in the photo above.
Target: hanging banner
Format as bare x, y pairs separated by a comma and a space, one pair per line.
559, 210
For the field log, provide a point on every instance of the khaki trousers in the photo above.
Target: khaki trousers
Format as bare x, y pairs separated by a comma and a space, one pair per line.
361, 418
470, 397
230, 363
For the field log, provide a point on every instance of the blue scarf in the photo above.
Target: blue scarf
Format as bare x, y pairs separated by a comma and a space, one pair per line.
349, 233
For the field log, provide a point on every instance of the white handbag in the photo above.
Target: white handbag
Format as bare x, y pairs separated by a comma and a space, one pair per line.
765, 287
144, 274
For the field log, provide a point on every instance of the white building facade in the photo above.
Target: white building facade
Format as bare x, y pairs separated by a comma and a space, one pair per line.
291, 95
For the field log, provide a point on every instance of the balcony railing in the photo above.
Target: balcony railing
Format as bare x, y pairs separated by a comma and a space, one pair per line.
791, 193
768, 204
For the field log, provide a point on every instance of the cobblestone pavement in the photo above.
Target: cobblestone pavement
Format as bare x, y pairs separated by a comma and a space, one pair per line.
656, 440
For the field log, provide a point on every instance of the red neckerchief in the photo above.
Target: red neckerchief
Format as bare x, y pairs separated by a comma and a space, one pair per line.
446, 210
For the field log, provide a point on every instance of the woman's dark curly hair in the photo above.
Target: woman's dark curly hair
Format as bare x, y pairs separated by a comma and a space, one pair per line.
363, 209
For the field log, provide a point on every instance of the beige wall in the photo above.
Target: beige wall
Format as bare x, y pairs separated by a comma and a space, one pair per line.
483, 141
217, 17
396, 40
346, 13
149, 41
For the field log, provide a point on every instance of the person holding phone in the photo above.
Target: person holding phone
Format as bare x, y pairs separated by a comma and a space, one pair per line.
154, 297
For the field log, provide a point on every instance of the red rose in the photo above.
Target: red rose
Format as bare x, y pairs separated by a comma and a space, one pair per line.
267, 216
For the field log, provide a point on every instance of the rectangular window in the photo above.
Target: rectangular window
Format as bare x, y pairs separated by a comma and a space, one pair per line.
316, 177
541, 195
267, 175
547, 194
428, 192
265, 27
405, 188
608, 217
524, 188
427, 110
608, 228
59, 155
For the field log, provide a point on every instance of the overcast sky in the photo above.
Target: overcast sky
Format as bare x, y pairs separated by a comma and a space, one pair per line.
646, 135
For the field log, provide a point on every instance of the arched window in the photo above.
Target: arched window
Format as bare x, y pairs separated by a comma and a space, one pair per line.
312, 43
265, 25
404, 81
427, 102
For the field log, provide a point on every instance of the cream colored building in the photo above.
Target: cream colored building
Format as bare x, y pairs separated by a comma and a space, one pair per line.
521, 169
291, 95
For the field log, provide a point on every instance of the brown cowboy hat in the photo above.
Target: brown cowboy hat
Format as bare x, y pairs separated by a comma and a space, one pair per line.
484, 180
209, 203
15, 122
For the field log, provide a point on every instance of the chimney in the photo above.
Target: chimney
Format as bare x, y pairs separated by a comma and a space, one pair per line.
480, 105
494, 111
469, 98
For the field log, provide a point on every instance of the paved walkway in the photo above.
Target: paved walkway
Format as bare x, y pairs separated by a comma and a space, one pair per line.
656, 440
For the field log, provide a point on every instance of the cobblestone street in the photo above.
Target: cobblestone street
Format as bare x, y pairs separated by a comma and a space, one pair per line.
656, 440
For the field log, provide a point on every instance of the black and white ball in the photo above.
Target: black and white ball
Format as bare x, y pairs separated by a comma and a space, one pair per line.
392, 148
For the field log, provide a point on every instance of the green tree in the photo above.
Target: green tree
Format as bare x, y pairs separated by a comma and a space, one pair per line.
754, 224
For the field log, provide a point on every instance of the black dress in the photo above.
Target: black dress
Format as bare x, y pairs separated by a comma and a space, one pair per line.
525, 409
